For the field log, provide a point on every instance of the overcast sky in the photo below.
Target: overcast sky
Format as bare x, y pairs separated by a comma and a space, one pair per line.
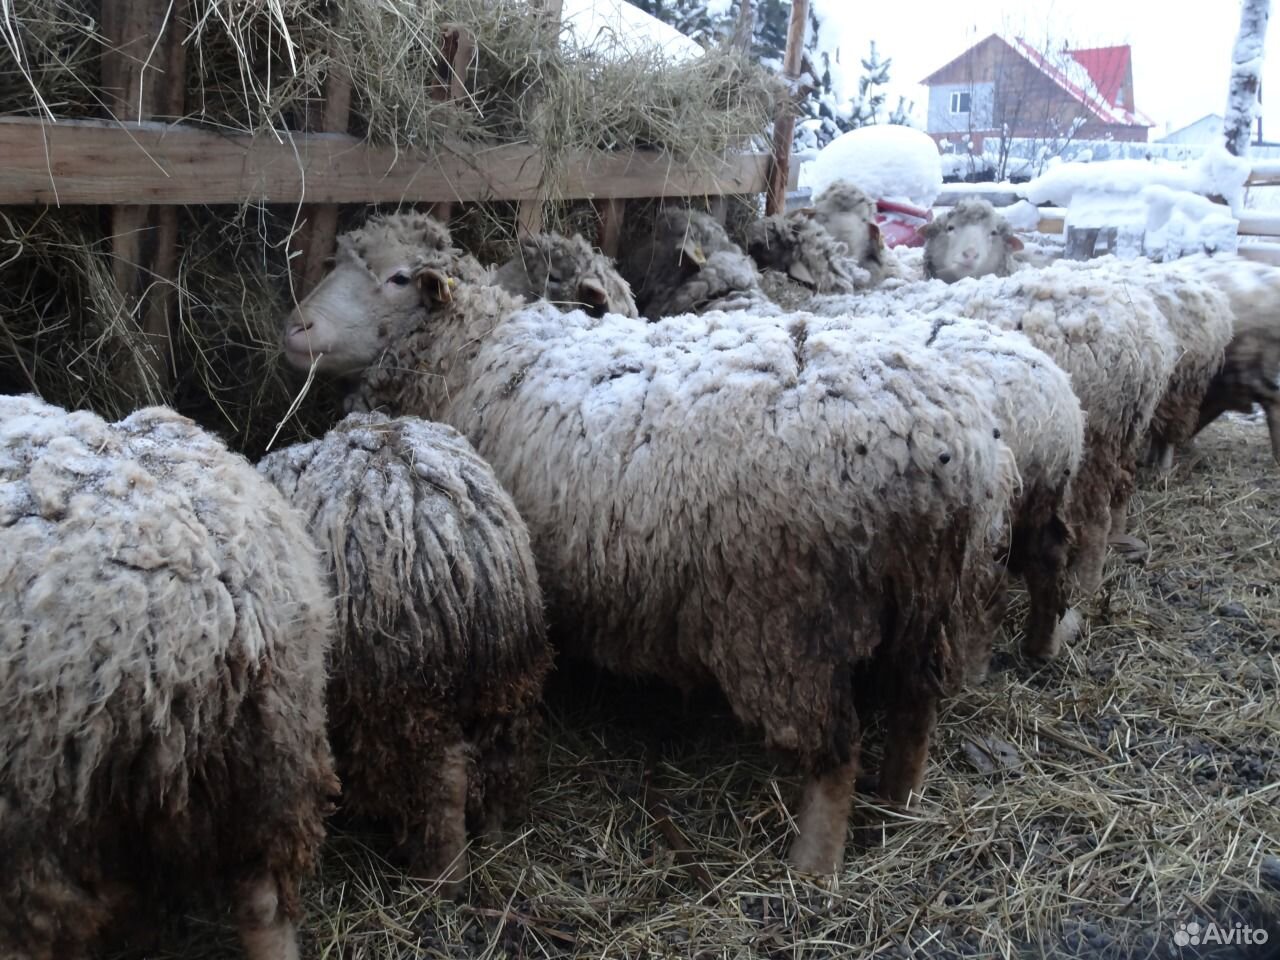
1181, 48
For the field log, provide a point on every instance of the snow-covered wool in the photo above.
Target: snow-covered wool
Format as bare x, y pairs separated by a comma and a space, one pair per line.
1112, 342
769, 504
163, 628
849, 215
567, 272
688, 264
1196, 309
437, 671
1040, 419
797, 257
969, 240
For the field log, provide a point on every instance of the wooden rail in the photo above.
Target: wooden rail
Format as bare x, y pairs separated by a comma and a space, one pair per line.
111, 163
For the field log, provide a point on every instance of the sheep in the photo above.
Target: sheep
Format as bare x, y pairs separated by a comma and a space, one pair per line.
762, 503
567, 272
688, 264
436, 677
1222, 310
969, 240
1250, 372
849, 215
1112, 342
798, 257
163, 628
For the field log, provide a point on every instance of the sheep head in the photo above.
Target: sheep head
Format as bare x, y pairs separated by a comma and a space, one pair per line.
386, 276
849, 215
567, 272
969, 240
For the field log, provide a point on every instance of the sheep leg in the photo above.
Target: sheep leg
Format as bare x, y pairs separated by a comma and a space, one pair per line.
443, 854
1272, 409
908, 727
265, 929
824, 819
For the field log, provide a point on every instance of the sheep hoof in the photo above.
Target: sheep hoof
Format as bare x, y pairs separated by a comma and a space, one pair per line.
1065, 632
265, 930
1129, 548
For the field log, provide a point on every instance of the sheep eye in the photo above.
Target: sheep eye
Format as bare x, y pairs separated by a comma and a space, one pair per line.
399, 279
951, 229
553, 277
995, 232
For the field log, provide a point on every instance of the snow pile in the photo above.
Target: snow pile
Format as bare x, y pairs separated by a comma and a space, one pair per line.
888, 162
1217, 172
614, 30
1156, 221
1022, 216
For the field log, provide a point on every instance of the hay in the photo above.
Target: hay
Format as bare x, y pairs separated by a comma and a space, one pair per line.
262, 68
1140, 793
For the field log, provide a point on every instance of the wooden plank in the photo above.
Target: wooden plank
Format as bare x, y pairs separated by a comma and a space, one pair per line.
953, 193
1262, 252
1254, 223
322, 226
784, 127
611, 213
101, 162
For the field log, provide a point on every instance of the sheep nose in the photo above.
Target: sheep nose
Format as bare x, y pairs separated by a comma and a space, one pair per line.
297, 323
969, 256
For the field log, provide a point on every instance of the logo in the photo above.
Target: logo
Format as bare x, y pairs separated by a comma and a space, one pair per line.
1239, 934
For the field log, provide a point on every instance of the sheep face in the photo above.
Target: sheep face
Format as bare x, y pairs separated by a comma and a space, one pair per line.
970, 240
567, 272
849, 215
375, 293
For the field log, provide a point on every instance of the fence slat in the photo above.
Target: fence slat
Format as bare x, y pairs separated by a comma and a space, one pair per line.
99, 162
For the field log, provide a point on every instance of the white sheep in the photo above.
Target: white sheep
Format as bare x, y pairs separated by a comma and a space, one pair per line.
566, 271
849, 215
969, 240
163, 628
771, 504
797, 257
688, 264
436, 677
1112, 342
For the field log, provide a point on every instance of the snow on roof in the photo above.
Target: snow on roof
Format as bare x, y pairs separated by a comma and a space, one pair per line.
1107, 68
1073, 76
615, 29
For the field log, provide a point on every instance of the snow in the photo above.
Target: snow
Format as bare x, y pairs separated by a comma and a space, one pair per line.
1156, 221
614, 29
837, 19
1022, 215
1217, 172
889, 162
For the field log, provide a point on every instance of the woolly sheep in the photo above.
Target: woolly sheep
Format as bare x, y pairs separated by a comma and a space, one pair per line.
764, 503
969, 240
1113, 343
437, 673
849, 215
797, 257
566, 271
1197, 314
688, 264
163, 627
1250, 372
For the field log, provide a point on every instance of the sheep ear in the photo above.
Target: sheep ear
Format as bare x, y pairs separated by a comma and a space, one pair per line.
592, 291
1013, 242
799, 271
435, 285
930, 229
873, 231
691, 251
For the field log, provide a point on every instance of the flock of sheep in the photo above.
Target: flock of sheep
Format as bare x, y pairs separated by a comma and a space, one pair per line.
802, 472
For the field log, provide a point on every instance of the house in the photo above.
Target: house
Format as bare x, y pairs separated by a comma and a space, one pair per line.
1208, 129
1002, 84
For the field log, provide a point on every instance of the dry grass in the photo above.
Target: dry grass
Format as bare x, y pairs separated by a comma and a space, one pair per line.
1140, 793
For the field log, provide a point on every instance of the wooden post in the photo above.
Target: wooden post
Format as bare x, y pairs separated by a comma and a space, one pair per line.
143, 77
785, 126
529, 212
457, 48
321, 227
611, 213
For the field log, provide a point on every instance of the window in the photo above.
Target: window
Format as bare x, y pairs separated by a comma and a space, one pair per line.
960, 103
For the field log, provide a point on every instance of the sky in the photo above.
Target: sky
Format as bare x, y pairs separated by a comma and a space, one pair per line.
1181, 48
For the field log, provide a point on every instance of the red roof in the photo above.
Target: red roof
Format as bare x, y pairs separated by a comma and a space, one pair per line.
1107, 67
1065, 73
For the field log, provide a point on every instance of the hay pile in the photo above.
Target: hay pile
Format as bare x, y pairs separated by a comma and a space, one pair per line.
263, 68
1124, 791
